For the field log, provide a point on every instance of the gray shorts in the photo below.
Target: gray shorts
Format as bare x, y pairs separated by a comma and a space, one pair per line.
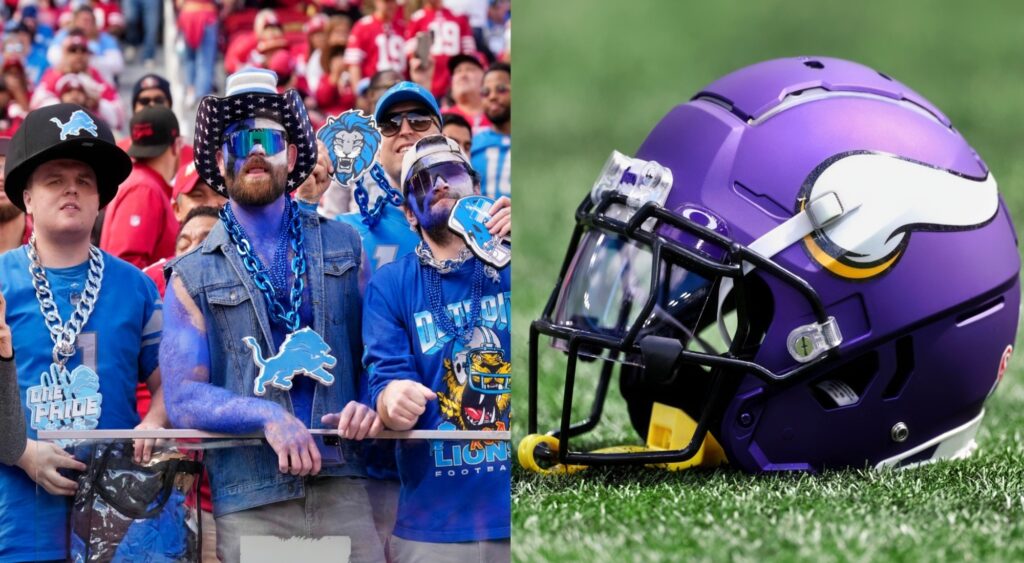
332, 507
407, 551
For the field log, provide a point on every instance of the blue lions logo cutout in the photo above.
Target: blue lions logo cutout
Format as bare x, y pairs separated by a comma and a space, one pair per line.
65, 400
302, 352
468, 219
78, 122
353, 142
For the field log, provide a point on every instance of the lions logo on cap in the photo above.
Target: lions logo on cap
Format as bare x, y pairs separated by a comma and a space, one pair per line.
353, 142
78, 122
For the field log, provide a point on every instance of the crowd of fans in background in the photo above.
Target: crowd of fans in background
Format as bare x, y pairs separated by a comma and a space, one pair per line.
339, 54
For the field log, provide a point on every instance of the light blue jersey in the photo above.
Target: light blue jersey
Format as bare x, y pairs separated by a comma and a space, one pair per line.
389, 240
491, 158
120, 343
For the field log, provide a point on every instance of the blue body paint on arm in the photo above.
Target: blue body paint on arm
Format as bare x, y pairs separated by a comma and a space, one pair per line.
192, 401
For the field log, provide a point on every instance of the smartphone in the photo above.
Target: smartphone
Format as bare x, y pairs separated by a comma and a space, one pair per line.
423, 41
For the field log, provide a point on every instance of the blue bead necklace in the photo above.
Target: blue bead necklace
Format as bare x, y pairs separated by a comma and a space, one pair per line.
272, 283
435, 293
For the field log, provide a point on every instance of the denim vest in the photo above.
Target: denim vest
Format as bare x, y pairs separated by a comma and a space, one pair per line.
213, 275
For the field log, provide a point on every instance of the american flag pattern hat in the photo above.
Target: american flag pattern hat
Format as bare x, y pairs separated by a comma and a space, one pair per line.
252, 93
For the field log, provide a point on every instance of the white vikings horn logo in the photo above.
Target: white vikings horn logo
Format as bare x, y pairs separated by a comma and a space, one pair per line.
890, 197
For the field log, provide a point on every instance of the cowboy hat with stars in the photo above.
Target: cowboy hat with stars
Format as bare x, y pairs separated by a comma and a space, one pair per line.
252, 93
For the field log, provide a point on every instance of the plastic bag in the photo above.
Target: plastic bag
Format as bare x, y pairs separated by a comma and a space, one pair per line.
125, 511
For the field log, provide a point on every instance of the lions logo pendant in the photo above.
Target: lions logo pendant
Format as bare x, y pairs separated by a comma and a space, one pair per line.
353, 142
302, 352
468, 219
65, 399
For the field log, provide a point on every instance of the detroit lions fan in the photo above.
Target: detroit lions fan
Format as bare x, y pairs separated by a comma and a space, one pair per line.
405, 113
263, 330
436, 326
85, 324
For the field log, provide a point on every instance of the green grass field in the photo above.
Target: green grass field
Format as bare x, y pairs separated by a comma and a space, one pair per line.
595, 76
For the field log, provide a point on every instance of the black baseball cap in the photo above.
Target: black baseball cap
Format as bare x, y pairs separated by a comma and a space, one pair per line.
64, 131
152, 81
153, 129
463, 58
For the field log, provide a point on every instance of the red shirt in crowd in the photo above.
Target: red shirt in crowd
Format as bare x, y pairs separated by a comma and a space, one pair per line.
49, 83
376, 45
331, 100
139, 225
155, 272
477, 122
9, 125
452, 35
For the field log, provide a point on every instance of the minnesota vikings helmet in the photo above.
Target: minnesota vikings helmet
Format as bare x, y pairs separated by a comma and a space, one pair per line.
804, 266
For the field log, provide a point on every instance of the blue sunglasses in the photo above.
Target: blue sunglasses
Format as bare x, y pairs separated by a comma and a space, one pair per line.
240, 143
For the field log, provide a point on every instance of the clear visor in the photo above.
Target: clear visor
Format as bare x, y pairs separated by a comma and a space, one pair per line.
609, 283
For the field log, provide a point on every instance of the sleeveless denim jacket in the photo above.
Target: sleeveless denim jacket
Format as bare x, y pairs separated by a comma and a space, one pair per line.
213, 275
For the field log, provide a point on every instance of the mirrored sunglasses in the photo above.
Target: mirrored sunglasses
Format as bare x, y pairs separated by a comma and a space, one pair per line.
240, 143
459, 179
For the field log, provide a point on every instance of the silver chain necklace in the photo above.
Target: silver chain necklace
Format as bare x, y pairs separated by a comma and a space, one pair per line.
442, 266
63, 334
426, 257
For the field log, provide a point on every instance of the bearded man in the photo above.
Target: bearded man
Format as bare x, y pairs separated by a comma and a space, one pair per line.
263, 331
437, 333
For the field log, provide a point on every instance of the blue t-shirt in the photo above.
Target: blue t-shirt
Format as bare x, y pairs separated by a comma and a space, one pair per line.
452, 490
119, 342
388, 240
491, 157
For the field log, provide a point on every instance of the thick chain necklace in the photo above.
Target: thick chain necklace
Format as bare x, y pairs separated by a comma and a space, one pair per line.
442, 266
64, 335
372, 216
259, 273
435, 294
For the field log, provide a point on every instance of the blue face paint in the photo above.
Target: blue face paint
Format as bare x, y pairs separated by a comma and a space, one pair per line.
430, 185
428, 216
265, 145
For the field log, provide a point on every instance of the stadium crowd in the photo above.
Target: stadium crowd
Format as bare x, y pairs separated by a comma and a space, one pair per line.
338, 55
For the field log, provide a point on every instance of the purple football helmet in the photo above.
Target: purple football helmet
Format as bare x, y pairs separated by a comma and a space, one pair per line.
808, 260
